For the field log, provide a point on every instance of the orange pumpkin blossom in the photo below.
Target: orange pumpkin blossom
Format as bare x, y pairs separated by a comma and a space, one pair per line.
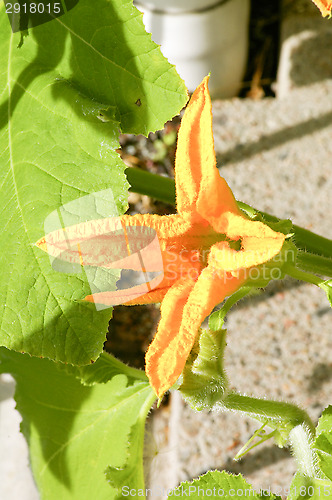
206, 247
325, 6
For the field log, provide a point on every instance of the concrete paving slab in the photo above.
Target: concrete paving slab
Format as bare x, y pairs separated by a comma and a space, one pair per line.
16, 482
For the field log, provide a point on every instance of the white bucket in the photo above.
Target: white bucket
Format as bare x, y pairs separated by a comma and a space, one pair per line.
201, 37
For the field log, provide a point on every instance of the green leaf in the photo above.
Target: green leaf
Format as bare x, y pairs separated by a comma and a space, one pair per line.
327, 287
316, 487
204, 379
284, 226
304, 488
323, 443
106, 368
325, 421
128, 476
77, 432
220, 484
64, 95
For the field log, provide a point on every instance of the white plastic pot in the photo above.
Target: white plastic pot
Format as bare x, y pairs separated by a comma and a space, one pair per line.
201, 37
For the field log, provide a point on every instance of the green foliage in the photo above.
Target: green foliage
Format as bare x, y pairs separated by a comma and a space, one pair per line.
327, 287
319, 484
77, 432
131, 475
304, 488
222, 485
280, 416
66, 92
323, 443
204, 379
102, 371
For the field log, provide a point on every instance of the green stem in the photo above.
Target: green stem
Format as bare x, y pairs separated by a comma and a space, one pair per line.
297, 274
233, 299
271, 410
303, 238
216, 319
314, 263
246, 448
127, 370
311, 242
163, 189
156, 186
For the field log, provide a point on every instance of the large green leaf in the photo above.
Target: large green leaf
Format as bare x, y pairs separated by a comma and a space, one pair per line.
77, 433
220, 484
64, 94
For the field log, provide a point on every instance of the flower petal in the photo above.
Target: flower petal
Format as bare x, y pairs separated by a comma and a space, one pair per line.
166, 354
259, 243
237, 227
200, 189
126, 242
325, 6
183, 309
136, 295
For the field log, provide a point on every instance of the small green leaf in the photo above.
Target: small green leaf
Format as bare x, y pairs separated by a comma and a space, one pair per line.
220, 484
282, 225
77, 432
305, 488
204, 379
104, 369
327, 287
323, 443
325, 421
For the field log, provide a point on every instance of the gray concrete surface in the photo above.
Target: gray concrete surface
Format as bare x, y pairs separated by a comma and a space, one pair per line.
16, 482
306, 47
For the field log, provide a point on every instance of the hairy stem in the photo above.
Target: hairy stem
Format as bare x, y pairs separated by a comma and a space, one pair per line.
314, 263
272, 410
297, 274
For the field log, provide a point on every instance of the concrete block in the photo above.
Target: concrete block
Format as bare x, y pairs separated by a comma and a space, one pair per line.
306, 41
